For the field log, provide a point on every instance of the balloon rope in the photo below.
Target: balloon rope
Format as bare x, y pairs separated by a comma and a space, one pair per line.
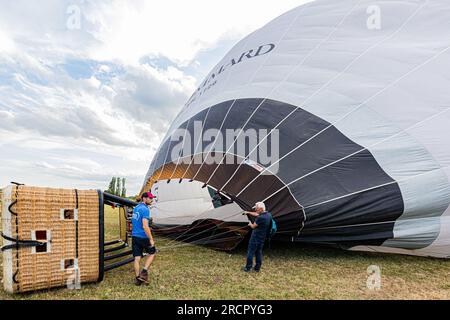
269, 133
317, 204
201, 241
155, 158
374, 187
209, 229
384, 89
152, 167
289, 74
194, 219
198, 143
201, 213
214, 143
244, 42
365, 190
165, 162
370, 48
174, 216
212, 228
182, 149
366, 148
292, 22
320, 90
184, 216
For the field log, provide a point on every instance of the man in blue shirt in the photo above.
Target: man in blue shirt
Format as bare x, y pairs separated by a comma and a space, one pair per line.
142, 238
259, 233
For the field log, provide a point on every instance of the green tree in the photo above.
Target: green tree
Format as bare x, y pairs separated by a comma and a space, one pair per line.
109, 187
124, 189
118, 187
112, 186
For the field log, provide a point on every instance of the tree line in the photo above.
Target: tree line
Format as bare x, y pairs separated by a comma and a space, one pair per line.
117, 186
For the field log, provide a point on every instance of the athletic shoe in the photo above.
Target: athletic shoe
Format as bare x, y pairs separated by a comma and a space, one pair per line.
137, 282
143, 276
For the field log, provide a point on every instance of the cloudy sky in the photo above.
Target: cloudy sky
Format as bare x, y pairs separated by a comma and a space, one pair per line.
89, 88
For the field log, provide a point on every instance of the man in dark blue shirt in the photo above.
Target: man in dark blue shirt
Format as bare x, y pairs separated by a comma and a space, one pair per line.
142, 238
259, 233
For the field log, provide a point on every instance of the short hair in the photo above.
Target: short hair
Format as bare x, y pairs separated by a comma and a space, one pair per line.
260, 205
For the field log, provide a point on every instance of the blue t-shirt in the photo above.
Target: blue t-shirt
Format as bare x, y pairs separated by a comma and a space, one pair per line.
141, 211
263, 222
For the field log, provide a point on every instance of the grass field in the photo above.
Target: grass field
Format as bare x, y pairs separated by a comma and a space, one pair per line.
193, 272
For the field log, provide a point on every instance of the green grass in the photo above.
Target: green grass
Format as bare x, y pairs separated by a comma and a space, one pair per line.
289, 272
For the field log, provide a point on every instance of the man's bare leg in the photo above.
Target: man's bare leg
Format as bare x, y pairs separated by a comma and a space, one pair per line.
149, 261
137, 265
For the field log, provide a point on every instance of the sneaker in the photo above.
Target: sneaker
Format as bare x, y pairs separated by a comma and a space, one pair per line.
245, 269
257, 270
137, 282
143, 276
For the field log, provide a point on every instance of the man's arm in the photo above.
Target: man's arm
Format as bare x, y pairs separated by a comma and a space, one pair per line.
148, 231
251, 213
253, 225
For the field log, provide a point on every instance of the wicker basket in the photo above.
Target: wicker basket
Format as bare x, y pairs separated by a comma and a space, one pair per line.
68, 227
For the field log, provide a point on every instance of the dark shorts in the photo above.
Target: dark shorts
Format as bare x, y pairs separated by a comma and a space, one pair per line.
141, 245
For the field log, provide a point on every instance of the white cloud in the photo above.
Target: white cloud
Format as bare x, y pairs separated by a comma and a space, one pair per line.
79, 106
6, 43
173, 28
